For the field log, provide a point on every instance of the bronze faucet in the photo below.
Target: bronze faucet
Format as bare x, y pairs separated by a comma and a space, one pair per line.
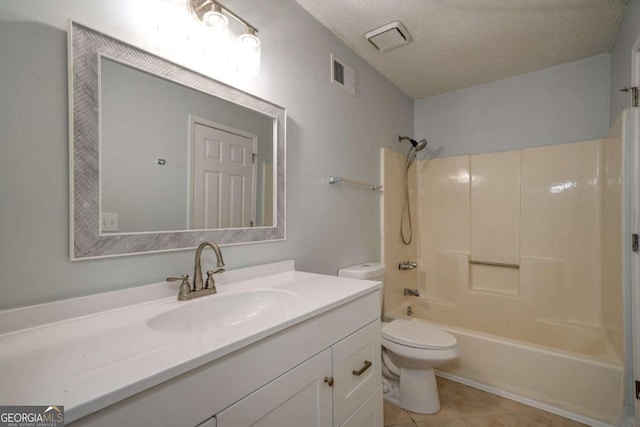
197, 269
199, 289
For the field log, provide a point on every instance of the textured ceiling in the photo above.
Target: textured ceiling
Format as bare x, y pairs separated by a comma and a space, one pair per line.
463, 43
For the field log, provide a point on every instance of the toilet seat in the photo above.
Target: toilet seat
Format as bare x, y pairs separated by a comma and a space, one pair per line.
418, 334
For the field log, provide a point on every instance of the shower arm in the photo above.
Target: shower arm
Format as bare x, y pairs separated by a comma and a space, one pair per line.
406, 138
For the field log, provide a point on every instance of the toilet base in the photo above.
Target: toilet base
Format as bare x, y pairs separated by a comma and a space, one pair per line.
416, 391
391, 390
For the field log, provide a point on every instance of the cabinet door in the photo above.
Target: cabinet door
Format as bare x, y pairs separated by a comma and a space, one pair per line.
351, 357
369, 414
298, 398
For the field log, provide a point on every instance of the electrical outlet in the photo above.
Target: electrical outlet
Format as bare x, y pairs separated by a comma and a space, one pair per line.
110, 222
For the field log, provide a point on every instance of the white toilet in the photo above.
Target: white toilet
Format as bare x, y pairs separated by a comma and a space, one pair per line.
411, 349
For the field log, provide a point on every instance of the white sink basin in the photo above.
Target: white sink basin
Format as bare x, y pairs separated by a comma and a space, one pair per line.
223, 311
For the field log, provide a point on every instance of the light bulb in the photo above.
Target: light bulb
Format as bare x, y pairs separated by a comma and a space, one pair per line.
249, 39
215, 18
247, 56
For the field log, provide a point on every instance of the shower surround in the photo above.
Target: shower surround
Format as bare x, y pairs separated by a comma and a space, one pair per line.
519, 256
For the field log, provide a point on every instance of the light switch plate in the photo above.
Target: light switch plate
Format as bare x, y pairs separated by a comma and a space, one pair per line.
109, 222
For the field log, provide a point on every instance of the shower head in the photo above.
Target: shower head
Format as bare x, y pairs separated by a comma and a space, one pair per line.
420, 144
417, 145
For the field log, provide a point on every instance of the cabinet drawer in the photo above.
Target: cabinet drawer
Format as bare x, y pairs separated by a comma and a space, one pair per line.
369, 414
356, 369
298, 398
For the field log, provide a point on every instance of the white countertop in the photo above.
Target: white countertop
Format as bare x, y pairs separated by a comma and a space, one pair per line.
87, 361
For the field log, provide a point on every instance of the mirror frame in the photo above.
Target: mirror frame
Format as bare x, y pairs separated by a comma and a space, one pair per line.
86, 46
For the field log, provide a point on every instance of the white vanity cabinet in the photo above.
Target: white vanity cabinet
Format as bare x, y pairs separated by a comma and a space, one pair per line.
278, 380
298, 398
355, 379
323, 391
369, 414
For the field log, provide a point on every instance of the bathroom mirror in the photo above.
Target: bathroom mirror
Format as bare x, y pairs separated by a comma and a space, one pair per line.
163, 157
174, 158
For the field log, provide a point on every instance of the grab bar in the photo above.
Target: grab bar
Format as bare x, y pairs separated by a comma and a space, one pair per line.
495, 264
336, 179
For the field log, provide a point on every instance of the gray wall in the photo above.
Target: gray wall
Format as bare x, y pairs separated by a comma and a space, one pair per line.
328, 132
560, 104
621, 59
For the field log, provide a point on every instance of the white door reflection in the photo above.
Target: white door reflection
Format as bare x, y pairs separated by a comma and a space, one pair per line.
224, 176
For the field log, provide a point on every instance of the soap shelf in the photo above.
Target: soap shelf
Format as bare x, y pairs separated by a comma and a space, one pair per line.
337, 179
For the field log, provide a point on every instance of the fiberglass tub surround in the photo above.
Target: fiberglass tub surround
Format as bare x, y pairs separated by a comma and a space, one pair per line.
549, 219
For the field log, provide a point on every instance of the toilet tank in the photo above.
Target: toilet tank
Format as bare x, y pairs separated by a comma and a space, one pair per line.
366, 271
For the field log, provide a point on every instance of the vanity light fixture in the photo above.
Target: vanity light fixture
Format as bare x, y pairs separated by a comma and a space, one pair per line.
214, 15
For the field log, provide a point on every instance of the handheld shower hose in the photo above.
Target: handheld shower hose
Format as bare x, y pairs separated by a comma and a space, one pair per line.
406, 207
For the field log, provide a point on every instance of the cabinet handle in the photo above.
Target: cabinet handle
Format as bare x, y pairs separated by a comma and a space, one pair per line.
329, 381
366, 366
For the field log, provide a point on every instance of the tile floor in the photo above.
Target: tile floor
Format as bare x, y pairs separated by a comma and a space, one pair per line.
463, 406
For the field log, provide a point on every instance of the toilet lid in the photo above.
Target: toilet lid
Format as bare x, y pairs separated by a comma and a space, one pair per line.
418, 334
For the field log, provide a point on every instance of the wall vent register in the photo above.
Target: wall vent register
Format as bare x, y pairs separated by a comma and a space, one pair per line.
342, 75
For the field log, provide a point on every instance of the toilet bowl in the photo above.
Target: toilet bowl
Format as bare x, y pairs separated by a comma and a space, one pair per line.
411, 349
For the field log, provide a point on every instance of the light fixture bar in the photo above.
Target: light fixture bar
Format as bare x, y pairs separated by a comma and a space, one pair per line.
199, 8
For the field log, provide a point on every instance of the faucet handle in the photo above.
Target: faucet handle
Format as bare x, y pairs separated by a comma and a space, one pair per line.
185, 287
184, 278
210, 283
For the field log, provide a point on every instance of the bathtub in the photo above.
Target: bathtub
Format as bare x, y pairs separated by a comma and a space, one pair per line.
575, 370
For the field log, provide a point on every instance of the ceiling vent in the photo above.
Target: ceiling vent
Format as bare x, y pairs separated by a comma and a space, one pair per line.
389, 36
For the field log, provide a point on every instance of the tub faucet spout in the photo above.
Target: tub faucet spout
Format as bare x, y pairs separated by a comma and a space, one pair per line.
407, 265
412, 292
